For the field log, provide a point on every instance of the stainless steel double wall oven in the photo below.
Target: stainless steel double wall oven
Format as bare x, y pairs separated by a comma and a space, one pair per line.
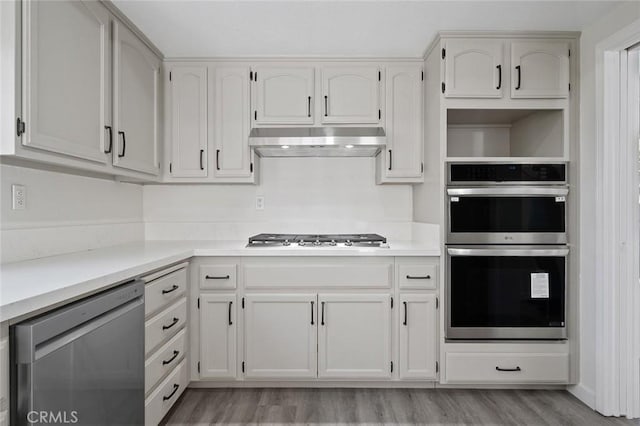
507, 253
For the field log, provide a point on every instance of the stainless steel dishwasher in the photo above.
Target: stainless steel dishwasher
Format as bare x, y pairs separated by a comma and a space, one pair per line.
82, 363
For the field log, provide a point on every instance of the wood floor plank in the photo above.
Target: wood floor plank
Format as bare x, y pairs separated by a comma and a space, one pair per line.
383, 407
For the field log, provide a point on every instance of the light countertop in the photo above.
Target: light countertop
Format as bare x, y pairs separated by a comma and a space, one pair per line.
30, 286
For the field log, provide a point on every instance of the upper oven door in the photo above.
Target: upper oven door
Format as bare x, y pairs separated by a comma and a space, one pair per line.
507, 215
506, 292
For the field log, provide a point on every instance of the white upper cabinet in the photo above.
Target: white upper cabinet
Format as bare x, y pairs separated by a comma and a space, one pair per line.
404, 124
231, 123
280, 333
136, 96
473, 68
67, 78
351, 94
540, 69
418, 338
188, 88
218, 325
354, 336
283, 95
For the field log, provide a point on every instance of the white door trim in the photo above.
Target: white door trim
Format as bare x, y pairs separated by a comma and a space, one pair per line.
617, 291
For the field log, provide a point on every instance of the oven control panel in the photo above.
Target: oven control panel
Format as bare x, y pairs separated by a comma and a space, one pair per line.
516, 173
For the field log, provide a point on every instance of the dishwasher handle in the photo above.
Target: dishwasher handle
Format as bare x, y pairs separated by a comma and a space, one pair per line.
39, 337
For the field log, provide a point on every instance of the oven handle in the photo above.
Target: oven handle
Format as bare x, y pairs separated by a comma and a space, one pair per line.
521, 191
508, 251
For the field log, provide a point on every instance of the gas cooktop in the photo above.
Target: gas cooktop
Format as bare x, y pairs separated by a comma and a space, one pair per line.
317, 240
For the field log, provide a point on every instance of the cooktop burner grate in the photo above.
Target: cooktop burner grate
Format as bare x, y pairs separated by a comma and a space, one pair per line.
317, 240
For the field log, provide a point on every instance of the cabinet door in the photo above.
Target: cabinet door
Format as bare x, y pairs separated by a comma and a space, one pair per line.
473, 68
283, 95
403, 99
540, 69
231, 122
351, 95
136, 96
189, 122
280, 336
418, 339
67, 88
354, 336
218, 335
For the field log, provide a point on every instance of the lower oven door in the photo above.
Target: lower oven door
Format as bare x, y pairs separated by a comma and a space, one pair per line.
507, 215
506, 292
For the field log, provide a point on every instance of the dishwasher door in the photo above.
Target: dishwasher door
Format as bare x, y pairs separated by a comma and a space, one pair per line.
83, 363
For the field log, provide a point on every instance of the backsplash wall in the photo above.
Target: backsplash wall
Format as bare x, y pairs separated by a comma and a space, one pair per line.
300, 195
65, 213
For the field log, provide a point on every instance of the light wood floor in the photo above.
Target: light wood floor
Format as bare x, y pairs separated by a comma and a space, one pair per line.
384, 406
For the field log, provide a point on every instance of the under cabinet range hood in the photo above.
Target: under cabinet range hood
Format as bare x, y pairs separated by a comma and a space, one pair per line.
317, 141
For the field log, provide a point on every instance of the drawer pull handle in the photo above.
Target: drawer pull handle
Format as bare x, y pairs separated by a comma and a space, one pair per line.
175, 355
508, 369
175, 389
171, 290
213, 277
411, 277
175, 321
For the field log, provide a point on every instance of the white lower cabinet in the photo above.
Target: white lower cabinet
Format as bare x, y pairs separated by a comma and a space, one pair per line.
354, 339
280, 336
218, 336
418, 336
165, 395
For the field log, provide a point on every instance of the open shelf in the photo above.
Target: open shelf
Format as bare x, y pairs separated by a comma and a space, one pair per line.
505, 133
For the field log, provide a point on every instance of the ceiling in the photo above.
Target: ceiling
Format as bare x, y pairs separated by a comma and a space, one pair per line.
186, 28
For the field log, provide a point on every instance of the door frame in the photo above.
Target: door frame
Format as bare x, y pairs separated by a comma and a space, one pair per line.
617, 332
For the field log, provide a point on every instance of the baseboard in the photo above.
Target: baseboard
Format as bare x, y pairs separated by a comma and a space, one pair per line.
584, 394
311, 384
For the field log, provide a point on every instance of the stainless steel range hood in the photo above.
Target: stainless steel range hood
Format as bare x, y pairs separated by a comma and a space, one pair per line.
317, 141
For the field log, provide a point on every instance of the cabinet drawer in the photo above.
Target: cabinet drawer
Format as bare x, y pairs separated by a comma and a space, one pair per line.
507, 368
161, 327
164, 359
214, 277
166, 394
162, 291
362, 275
418, 276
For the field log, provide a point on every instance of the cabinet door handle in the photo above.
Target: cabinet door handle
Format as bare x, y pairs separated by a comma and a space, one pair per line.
168, 361
217, 159
390, 160
499, 77
411, 277
322, 314
124, 144
201, 159
110, 130
405, 313
230, 321
171, 290
214, 277
309, 106
174, 322
326, 106
508, 369
519, 77
175, 389
312, 313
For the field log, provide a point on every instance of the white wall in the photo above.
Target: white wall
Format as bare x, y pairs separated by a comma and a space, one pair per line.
609, 24
65, 213
301, 195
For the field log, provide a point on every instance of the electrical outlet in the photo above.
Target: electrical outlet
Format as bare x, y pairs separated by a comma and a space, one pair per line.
19, 197
259, 203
